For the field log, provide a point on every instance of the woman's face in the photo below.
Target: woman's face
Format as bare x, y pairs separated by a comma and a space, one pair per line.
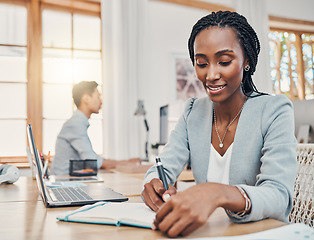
219, 63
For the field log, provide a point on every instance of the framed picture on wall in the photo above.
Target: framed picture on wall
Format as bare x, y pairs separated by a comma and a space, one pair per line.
187, 84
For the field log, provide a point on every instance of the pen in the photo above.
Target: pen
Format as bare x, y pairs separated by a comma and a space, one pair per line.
161, 173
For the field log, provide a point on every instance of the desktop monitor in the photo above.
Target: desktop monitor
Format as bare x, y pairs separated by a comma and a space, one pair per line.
163, 114
304, 120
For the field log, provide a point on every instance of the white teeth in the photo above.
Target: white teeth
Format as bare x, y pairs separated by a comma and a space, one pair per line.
215, 89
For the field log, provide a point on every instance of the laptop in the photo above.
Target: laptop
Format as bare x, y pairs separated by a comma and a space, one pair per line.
64, 196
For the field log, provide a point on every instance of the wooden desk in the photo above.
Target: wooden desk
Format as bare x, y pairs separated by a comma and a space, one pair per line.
31, 220
25, 189
186, 175
23, 216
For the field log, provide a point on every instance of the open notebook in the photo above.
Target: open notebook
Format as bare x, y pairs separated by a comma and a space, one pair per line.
112, 213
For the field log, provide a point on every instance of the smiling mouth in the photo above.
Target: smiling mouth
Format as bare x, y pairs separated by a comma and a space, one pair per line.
214, 88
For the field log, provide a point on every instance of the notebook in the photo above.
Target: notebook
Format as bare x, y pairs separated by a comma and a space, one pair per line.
112, 213
63, 196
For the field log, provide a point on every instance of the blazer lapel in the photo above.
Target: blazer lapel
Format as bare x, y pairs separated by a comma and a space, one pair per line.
200, 137
239, 141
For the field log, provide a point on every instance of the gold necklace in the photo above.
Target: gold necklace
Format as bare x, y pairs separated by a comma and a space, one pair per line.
221, 145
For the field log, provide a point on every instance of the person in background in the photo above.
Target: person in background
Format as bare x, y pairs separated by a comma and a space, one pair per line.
240, 141
73, 141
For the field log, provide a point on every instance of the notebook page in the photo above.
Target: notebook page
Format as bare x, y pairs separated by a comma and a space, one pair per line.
140, 214
113, 212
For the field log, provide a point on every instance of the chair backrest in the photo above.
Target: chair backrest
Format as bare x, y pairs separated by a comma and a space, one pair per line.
303, 208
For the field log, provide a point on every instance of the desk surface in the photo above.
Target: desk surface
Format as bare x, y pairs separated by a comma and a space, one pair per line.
25, 189
31, 220
24, 216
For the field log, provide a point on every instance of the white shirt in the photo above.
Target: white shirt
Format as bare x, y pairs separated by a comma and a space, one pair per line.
218, 168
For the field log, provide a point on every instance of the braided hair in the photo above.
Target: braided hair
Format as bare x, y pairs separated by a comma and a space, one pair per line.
246, 35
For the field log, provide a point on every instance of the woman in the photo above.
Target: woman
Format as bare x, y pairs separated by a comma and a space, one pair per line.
240, 142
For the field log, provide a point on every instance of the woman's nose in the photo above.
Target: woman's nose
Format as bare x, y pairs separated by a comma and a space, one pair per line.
212, 73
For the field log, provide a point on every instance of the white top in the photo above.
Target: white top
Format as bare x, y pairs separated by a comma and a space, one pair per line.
218, 168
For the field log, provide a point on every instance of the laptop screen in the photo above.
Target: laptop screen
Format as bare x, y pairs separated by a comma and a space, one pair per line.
38, 164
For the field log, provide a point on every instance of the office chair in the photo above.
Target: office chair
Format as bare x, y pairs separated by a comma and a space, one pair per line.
303, 208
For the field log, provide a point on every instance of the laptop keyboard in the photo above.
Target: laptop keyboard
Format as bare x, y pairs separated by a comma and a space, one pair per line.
64, 194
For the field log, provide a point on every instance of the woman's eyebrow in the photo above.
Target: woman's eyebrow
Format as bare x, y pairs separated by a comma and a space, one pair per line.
200, 55
223, 52
219, 53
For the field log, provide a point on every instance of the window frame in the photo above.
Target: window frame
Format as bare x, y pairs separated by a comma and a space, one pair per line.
199, 4
34, 47
22, 3
297, 27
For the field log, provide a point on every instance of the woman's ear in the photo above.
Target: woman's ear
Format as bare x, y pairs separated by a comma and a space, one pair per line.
246, 62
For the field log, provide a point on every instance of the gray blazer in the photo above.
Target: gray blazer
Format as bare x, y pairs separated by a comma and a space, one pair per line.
263, 160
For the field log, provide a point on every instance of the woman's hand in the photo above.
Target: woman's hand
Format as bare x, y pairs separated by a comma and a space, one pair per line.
155, 194
188, 210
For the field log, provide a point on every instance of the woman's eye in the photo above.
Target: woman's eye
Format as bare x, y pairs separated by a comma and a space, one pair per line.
225, 63
201, 65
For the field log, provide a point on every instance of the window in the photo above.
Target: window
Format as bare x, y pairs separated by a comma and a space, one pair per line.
292, 63
71, 53
45, 48
13, 79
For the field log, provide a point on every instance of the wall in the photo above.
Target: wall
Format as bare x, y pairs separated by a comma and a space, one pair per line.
303, 117
300, 10
168, 27
158, 30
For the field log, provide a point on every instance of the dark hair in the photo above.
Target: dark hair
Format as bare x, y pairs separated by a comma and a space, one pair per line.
82, 88
246, 35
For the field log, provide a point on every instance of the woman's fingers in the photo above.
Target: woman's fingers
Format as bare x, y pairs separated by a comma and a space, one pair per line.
192, 227
149, 202
186, 211
152, 194
175, 222
167, 194
182, 227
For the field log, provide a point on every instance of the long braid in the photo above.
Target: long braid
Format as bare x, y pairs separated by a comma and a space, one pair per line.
246, 35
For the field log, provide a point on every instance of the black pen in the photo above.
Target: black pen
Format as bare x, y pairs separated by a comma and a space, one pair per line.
161, 173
